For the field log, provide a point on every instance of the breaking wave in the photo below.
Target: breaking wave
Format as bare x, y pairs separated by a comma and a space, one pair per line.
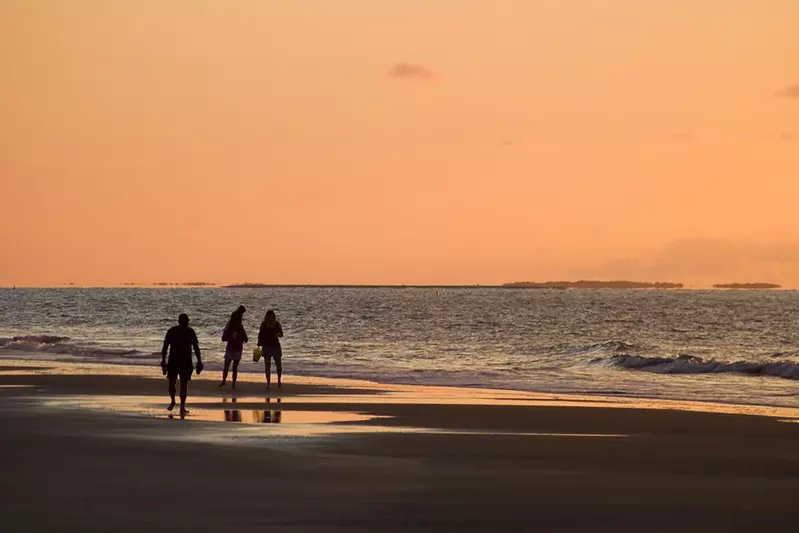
688, 364
64, 346
33, 340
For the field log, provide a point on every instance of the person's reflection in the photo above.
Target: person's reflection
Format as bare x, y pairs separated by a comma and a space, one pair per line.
268, 416
232, 415
277, 415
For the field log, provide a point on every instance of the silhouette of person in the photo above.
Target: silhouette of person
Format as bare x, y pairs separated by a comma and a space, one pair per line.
269, 338
276, 415
232, 414
179, 342
268, 417
235, 336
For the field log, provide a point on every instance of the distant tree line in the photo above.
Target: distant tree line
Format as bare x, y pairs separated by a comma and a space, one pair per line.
746, 286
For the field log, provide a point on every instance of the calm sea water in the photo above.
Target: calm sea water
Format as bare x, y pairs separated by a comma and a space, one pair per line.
698, 345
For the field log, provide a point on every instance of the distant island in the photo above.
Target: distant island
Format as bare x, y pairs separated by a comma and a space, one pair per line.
185, 284
581, 284
747, 286
593, 284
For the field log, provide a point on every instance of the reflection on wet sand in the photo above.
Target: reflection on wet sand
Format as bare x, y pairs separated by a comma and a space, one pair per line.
268, 417
232, 414
203, 409
273, 410
273, 414
280, 420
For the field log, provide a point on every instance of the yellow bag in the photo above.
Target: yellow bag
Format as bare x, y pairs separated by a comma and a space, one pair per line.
256, 354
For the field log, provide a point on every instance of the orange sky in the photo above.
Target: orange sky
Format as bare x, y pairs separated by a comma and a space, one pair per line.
413, 141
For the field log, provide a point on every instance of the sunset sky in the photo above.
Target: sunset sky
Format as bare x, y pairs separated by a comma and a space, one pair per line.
399, 141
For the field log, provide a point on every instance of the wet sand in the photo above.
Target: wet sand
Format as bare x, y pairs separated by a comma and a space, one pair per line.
95, 451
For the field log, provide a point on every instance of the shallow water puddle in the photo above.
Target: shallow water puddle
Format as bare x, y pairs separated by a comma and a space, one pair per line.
156, 406
250, 419
247, 416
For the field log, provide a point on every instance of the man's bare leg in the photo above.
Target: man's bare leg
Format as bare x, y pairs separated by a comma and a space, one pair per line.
184, 391
235, 372
172, 380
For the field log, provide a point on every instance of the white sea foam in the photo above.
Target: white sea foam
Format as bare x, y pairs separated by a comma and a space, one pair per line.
686, 364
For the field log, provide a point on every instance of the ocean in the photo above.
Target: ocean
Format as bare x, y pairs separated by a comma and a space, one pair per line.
721, 346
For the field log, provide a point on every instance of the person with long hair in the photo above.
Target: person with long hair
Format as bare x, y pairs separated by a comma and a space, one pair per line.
269, 339
235, 336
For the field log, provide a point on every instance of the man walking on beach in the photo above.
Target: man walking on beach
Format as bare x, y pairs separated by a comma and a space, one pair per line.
179, 341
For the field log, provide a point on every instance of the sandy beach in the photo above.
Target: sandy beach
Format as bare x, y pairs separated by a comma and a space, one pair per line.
528, 266
90, 448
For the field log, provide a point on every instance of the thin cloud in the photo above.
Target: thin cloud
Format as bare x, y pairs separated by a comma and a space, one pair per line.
789, 92
773, 259
410, 71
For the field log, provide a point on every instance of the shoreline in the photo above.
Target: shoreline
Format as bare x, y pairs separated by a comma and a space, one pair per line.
250, 375
251, 384
97, 447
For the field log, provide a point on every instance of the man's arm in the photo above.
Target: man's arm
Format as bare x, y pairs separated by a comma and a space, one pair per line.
196, 345
279, 330
165, 349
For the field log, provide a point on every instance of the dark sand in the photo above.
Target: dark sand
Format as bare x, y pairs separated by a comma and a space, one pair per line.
439, 466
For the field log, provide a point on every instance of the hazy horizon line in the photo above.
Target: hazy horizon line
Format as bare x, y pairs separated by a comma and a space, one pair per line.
509, 285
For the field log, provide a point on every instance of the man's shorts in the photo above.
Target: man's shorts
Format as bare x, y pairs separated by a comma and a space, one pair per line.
181, 368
